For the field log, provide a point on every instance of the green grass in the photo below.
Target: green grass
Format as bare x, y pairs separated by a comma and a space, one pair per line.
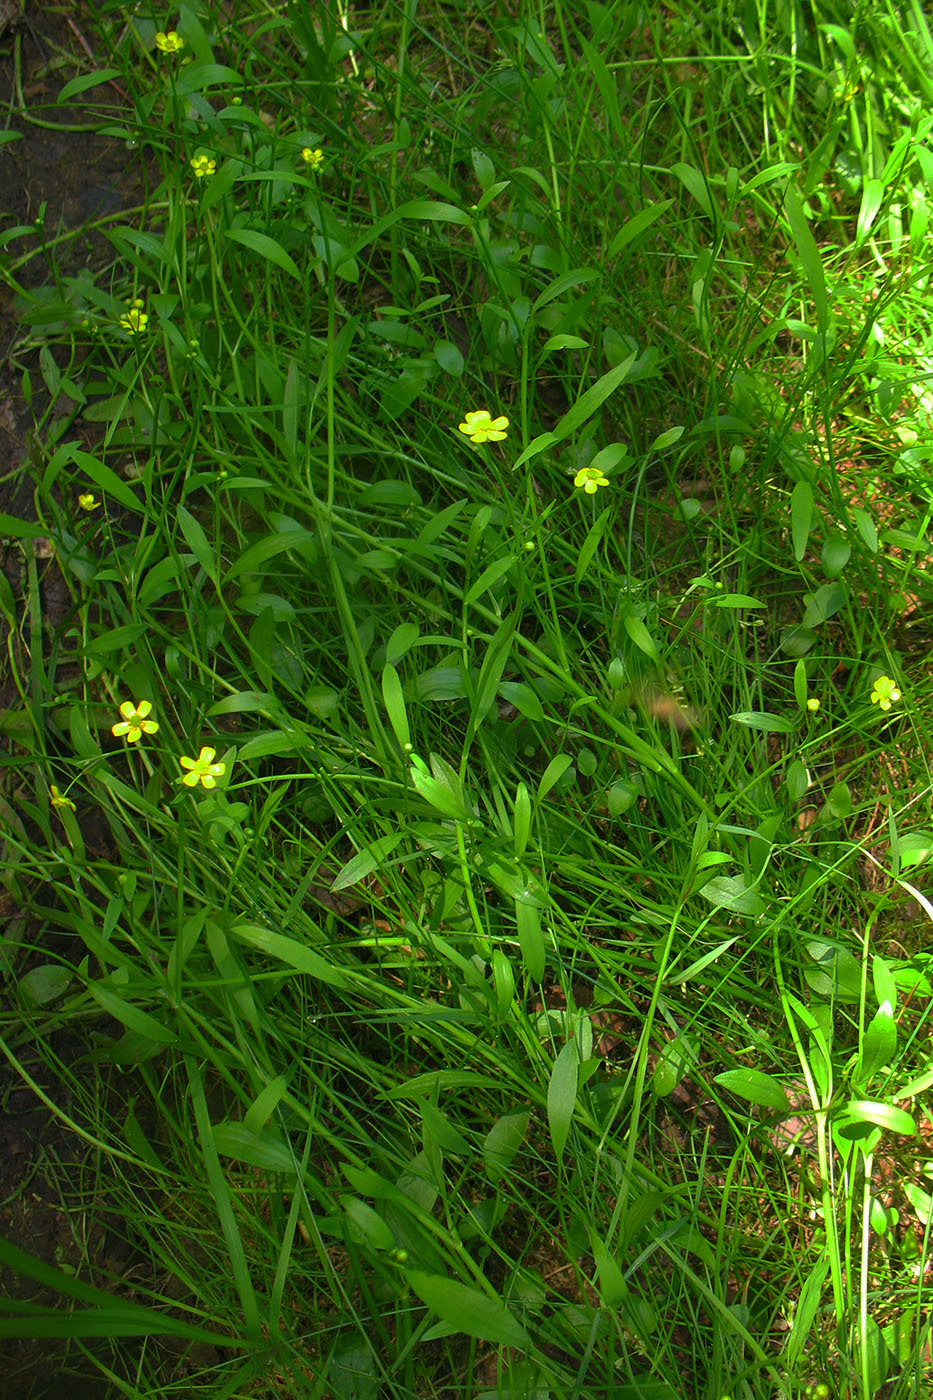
525, 834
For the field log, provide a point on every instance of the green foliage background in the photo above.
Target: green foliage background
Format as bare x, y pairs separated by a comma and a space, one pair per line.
451, 1043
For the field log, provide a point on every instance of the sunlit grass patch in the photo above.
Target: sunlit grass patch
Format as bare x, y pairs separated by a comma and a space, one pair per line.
470, 904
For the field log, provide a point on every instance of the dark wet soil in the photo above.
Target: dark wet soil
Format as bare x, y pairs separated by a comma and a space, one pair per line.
64, 179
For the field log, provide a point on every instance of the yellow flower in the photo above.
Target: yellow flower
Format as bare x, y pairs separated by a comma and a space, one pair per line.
58, 799
88, 501
170, 42
481, 427
134, 723
885, 693
203, 769
203, 165
813, 704
135, 320
313, 159
590, 478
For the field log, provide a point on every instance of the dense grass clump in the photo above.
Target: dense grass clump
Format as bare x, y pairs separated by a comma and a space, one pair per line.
468, 832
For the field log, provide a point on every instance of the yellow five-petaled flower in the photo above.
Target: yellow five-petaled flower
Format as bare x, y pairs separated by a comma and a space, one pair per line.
590, 478
88, 501
480, 426
203, 769
169, 42
813, 704
885, 693
58, 799
202, 166
134, 723
313, 159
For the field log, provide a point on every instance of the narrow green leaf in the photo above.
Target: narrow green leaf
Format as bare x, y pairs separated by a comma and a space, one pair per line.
884, 984
16, 529
755, 1086
265, 247
731, 892
366, 861
835, 555
608, 86
524, 699
766, 723
809, 255
879, 1044
445, 1134
368, 1222
441, 798
265, 1103
801, 515
552, 774
116, 638
530, 939
735, 600
807, 1307
85, 81
920, 1200
695, 183
132, 1016
439, 683
801, 689
46, 983
592, 399
636, 225
866, 528
562, 1096
494, 663
638, 632
401, 641
292, 402
196, 540
883, 1115
576, 277
563, 342
612, 1286
872, 199
395, 705
521, 820
536, 447
487, 578
502, 1142
257, 1149
288, 950
666, 439
591, 543
468, 1311
448, 357
220, 1191
104, 477
418, 209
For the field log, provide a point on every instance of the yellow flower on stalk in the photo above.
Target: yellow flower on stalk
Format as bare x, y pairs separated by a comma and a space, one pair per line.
134, 723
312, 159
202, 166
169, 42
88, 501
590, 478
480, 426
134, 321
813, 704
203, 769
885, 693
58, 799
